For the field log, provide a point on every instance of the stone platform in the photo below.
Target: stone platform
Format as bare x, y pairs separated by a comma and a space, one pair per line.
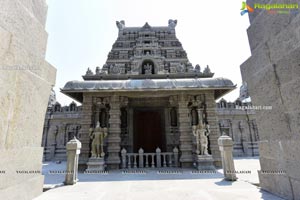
95, 164
205, 162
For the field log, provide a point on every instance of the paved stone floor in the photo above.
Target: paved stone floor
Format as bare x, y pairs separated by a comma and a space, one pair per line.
168, 184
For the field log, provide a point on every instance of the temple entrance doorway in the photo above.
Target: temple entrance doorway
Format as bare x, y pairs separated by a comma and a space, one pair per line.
148, 130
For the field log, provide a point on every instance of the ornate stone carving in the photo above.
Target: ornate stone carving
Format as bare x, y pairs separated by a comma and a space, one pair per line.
201, 131
146, 26
198, 68
102, 101
120, 25
180, 68
97, 135
98, 70
89, 72
172, 23
148, 68
173, 100
115, 69
123, 101
207, 70
196, 101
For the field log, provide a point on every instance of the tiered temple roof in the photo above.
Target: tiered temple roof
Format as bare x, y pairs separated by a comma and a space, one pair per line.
147, 58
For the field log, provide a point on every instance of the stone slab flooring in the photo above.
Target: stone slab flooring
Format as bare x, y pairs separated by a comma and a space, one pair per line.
166, 184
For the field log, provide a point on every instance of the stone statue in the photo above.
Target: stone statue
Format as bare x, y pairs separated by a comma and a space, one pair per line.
201, 132
148, 69
114, 69
172, 23
89, 72
180, 68
198, 68
97, 135
120, 25
207, 70
97, 70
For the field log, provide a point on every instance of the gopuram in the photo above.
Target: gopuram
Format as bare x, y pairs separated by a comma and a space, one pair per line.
151, 101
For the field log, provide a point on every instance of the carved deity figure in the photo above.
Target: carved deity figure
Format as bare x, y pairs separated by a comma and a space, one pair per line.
201, 131
207, 70
97, 135
198, 68
89, 72
148, 68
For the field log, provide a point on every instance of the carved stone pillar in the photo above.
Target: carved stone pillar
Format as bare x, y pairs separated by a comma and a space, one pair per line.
212, 120
85, 123
185, 132
114, 135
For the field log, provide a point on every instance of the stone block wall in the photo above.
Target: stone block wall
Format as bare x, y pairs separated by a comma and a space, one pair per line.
25, 83
273, 77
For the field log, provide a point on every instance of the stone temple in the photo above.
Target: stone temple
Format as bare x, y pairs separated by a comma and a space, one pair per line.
148, 95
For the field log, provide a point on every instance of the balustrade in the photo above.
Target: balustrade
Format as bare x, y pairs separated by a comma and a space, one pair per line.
149, 160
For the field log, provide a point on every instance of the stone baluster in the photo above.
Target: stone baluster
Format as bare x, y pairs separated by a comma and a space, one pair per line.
147, 161
141, 158
129, 162
152, 161
165, 161
73, 151
158, 157
123, 154
226, 146
175, 152
170, 160
134, 161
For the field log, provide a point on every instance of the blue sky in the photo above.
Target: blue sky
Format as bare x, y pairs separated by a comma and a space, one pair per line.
81, 34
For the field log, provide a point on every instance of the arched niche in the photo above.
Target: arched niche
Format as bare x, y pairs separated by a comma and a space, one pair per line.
148, 67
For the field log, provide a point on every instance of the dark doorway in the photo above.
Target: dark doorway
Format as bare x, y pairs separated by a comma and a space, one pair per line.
148, 130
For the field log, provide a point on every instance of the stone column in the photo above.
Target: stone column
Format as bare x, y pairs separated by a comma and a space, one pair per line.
226, 146
52, 151
86, 122
114, 133
213, 126
185, 132
73, 151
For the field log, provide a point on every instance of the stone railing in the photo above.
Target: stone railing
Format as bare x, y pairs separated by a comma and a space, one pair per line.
149, 160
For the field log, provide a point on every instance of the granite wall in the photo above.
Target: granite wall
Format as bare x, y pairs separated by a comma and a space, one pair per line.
25, 84
273, 77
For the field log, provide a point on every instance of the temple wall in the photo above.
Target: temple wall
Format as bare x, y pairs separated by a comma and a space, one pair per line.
273, 77
25, 83
238, 124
